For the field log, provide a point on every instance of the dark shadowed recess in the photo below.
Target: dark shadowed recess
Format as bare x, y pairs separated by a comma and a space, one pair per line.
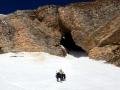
1, 51
71, 47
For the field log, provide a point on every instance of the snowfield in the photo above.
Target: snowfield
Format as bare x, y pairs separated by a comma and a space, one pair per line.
36, 71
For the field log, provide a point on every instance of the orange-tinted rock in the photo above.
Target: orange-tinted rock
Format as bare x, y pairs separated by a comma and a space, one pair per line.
84, 20
93, 26
32, 34
109, 53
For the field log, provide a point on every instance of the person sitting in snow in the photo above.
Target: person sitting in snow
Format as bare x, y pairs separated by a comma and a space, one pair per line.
60, 76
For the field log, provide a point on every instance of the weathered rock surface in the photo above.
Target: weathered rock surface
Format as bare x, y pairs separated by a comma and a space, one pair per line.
94, 26
36, 30
110, 36
110, 53
87, 19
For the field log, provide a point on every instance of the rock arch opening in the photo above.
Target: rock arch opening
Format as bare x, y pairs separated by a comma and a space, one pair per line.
70, 46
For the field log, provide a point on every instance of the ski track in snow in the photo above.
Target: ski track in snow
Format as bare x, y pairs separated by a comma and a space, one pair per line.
36, 71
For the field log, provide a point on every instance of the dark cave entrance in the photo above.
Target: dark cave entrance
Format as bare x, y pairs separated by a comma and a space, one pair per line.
1, 51
69, 44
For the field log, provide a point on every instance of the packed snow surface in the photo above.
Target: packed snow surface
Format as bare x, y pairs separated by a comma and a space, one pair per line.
36, 71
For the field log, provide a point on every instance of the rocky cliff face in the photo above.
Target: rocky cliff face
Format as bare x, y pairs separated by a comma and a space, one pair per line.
87, 19
93, 26
36, 30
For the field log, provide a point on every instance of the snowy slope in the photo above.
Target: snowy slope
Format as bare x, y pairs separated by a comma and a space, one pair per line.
36, 71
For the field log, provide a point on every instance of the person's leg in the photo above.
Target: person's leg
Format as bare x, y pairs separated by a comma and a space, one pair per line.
61, 79
64, 77
57, 79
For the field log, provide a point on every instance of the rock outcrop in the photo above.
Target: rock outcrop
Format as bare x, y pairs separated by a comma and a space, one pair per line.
34, 31
86, 19
110, 53
93, 26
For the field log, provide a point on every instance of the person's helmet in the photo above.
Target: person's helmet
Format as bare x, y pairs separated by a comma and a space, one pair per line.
61, 71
